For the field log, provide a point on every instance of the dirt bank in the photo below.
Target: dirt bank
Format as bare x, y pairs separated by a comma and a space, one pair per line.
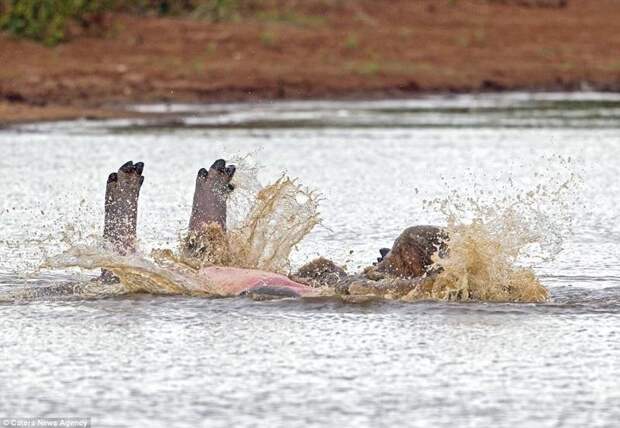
363, 48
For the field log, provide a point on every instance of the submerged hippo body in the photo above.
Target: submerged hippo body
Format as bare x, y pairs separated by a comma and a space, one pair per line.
409, 257
231, 281
400, 269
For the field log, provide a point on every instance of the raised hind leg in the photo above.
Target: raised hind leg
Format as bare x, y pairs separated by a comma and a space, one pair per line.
206, 241
210, 195
121, 210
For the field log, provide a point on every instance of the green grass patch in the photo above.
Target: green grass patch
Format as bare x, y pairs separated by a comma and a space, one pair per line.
290, 17
366, 68
268, 38
351, 43
48, 20
51, 21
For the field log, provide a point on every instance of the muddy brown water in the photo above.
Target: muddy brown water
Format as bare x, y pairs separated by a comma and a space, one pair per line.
181, 361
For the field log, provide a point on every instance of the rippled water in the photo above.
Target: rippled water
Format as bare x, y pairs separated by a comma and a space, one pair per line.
235, 362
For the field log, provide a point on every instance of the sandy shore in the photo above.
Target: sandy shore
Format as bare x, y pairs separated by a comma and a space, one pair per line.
360, 49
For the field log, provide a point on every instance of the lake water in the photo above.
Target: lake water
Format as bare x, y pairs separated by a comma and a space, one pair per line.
181, 361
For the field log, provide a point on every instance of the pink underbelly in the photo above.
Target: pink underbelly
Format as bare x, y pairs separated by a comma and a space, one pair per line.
234, 281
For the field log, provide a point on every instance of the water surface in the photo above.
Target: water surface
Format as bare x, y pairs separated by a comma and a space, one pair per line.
220, 362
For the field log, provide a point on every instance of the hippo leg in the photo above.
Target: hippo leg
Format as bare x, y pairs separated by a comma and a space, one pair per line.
210, 195
121, 210
206, 241
411, 254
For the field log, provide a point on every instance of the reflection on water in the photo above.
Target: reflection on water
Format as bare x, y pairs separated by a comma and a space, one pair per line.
125, 361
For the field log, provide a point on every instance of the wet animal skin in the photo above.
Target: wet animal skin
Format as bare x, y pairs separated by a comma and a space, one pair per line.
411, 254
399, 270
121, 210
212, 190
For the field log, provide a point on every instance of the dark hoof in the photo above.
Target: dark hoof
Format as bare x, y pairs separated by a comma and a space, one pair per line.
203, 173
129, 174
224, 173
127, 167
131, 168
139, 167
219, 165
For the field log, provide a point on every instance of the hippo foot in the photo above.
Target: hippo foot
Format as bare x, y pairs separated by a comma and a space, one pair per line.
121, 210
121, 202
212, 190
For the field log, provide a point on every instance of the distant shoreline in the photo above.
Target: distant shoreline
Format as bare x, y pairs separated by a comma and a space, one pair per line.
16, 114
402, 51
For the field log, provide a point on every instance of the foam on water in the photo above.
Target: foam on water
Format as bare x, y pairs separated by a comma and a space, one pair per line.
496, 236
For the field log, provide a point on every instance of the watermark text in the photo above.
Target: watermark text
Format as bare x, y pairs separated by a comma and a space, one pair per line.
45, 422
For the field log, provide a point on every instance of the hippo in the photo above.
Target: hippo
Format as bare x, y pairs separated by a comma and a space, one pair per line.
409, 258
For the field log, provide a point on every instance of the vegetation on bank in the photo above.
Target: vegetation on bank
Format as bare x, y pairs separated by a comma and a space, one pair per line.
52, 21
46, 20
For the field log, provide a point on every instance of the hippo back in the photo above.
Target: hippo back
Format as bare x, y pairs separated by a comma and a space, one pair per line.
411, 254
